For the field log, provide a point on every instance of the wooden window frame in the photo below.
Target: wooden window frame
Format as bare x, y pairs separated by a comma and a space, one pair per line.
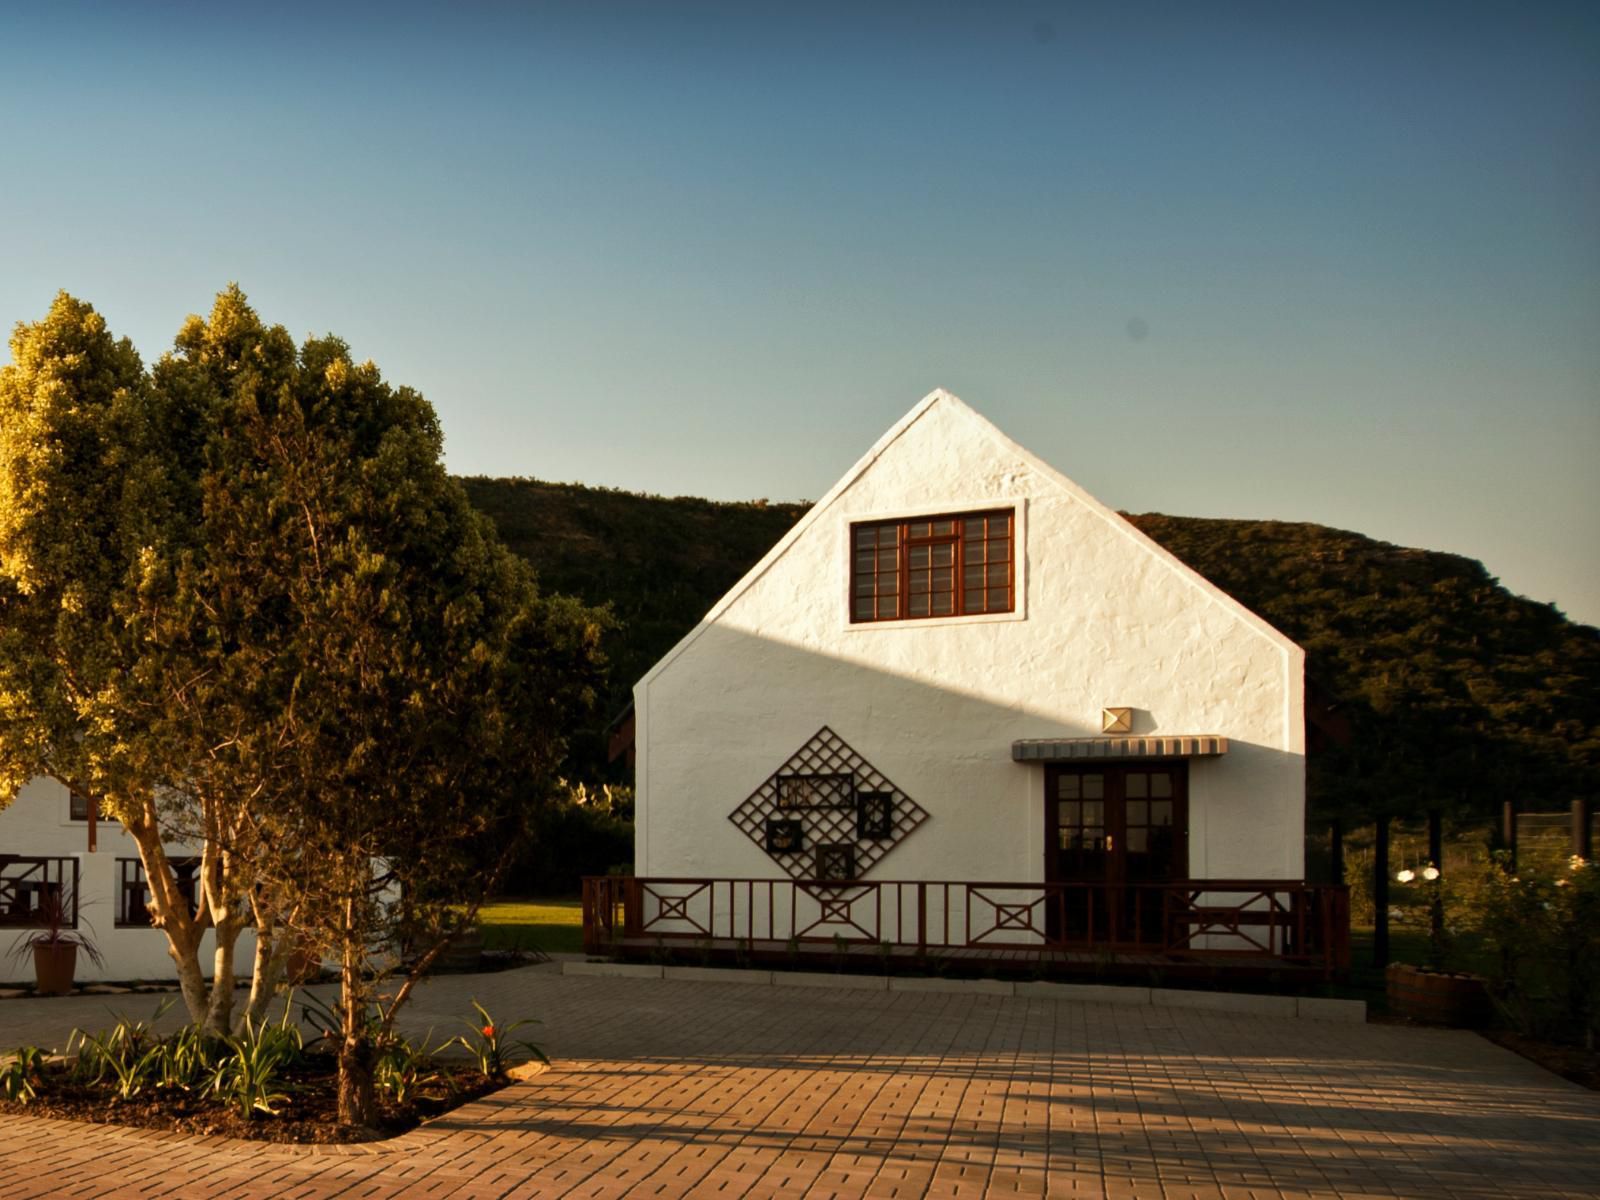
130, 875
904, 545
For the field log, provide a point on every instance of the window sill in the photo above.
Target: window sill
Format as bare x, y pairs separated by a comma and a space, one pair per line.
934, 622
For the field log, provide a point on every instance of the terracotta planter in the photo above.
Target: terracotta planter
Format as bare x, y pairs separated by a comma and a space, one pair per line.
1452, 998
54, 965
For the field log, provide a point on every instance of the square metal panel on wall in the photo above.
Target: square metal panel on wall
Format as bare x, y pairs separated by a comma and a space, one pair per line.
820, 789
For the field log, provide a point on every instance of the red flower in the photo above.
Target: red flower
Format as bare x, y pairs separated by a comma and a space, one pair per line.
488, 1031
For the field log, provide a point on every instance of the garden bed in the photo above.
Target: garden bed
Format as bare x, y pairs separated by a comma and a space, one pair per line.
307, 1115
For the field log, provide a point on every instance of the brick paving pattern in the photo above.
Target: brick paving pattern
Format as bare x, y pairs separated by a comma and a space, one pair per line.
670, 1088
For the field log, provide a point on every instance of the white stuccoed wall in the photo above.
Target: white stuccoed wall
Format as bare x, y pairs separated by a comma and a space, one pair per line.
37, 823
1105, 618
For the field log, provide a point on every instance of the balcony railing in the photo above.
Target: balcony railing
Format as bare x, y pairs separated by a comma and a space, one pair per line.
1271, 923
36, 892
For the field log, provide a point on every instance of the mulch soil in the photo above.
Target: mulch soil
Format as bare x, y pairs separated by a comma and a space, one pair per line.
1570, 1062
309, 1115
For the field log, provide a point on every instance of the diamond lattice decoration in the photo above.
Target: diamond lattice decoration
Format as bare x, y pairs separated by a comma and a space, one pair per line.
837, 797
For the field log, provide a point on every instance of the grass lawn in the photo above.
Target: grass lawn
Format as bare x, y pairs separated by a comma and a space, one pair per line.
553, 925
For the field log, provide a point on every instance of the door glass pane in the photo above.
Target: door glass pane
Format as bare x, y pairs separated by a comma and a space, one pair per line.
1067, 787
1070, 813
1138, 840
1160, 783
1094, 787
1094, 812
1138, 812
1161, 812
1135, 785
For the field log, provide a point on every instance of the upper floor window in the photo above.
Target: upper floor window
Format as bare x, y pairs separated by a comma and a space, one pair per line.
77, 807
956, 565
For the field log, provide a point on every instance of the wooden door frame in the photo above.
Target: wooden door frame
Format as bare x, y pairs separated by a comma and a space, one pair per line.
1116, 866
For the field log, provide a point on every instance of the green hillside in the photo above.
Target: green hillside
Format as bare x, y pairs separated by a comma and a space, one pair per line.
1457, 692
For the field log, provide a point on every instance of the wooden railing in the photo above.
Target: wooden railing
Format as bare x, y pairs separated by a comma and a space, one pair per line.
32, 887
1275, 921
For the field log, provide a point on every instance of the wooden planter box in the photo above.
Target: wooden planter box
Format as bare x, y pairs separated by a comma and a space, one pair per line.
1452, 998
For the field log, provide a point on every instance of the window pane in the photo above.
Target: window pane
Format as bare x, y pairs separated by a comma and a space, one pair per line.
1136, 785
999, 574
944, 579
888, 560
943, 528
972, 576
1000, 525
1138, 812
917, 556
1094, 786
944, 604
944, 555
973, 529
1160, 784
918, 529
973, 603
888, 535
1067, 787
1000, 551
864, 609
864, 585
888, 606
866, 537
919, 582
866, 562
999, 600
917, 605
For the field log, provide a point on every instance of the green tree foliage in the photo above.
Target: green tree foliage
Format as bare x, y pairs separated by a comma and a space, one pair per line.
92, 492
1459, 693
386, 683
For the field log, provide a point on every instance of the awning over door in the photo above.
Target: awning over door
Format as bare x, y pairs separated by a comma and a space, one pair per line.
1051, 750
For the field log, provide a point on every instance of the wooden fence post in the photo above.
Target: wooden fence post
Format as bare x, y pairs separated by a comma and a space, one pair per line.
1336, 851
1582, 835
1508, 831
1380, 893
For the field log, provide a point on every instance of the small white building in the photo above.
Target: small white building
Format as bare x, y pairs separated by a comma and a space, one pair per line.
960, 670
47, 847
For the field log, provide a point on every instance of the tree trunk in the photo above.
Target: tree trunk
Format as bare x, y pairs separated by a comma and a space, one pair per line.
358, 1103
184, 929
272, 951
219, 1013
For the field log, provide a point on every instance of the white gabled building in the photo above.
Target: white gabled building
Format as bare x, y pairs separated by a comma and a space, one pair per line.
959, 666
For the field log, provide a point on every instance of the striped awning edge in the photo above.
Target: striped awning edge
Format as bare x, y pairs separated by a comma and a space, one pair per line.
1187, 745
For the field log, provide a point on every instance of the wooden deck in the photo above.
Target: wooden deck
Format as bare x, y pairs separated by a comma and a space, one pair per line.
1209, 929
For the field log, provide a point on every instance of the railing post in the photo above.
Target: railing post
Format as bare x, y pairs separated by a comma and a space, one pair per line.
922, 917
1582, 831
1380, 893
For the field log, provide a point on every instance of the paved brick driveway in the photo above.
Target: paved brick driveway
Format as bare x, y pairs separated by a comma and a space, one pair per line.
671, 1088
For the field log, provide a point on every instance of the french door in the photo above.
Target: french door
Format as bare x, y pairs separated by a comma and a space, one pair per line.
1117, 828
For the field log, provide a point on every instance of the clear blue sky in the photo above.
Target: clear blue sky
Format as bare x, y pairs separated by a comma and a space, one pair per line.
1339, 265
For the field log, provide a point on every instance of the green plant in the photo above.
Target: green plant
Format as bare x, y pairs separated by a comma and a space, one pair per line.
189, 1058
251, 1075
56, 922
21, 1077
490, 1045
400, 1067
129, 1051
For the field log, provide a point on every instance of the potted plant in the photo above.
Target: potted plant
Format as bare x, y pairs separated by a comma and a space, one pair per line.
54, 943
1431, 992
